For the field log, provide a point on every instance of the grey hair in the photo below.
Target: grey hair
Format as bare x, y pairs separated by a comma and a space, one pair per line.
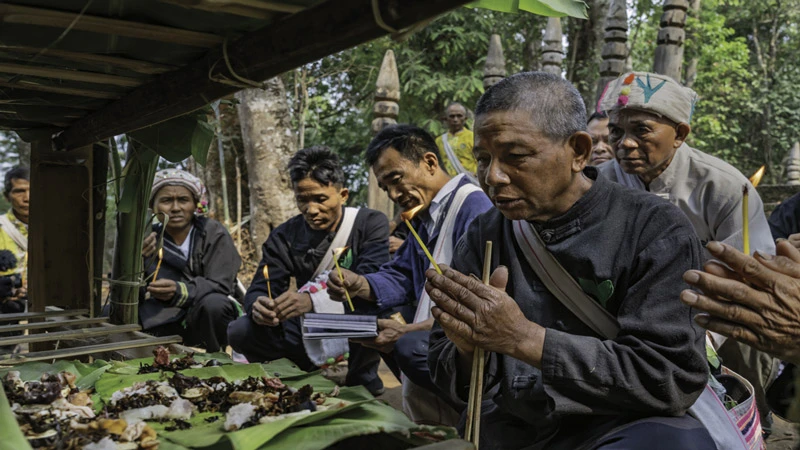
556, 108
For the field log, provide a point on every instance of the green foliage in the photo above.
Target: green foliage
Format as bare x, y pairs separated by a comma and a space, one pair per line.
747, 75
178, 138
437, 65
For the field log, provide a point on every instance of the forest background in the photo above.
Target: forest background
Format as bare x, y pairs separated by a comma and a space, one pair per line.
740, 57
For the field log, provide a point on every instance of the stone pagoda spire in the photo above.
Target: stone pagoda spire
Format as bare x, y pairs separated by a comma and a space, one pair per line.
495, 68
386, 109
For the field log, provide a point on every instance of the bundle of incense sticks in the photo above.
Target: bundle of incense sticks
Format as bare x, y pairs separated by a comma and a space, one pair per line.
337, 252
473, 429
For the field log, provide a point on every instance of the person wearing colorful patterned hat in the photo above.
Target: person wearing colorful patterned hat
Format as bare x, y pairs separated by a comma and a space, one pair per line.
190, 265
650, 116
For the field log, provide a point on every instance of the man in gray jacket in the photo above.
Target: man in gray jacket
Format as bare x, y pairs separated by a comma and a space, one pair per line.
649, 123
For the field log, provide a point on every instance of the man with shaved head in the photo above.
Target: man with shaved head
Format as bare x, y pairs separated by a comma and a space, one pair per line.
588, 347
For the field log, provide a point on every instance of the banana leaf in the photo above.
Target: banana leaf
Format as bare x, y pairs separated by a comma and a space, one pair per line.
178, 138
86, 375
12, 436
549, 8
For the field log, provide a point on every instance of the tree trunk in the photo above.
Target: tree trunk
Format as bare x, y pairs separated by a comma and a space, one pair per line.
24, 153
585, 46
268, 145
691, 69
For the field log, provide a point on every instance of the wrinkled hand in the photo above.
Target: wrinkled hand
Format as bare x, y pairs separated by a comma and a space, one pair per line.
756, 300
292, 304
390, 332
357, 286
149, 245
162, 289
263, 312
394, 244
794, 239
473, 314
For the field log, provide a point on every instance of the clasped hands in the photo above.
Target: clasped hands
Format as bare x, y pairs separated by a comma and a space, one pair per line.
271, 312
474, 314
754, 300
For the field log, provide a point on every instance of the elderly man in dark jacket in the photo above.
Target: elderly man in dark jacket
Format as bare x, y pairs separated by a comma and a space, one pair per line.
555, 380
197, 270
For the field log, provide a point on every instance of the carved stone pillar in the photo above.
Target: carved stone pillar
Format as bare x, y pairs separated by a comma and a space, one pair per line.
669, 52
552, 48
386, 109
793, 165
615, 47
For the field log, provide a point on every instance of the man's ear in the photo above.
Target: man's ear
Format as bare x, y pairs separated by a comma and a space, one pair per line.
681, 133
431, 162
581, 144
345, 194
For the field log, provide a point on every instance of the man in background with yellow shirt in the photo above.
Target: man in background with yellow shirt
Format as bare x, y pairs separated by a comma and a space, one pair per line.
455, 146
14, 244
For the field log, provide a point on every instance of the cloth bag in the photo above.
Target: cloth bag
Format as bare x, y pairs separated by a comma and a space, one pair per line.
321, 350
737, 427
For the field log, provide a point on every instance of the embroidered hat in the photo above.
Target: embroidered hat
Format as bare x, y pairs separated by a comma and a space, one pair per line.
175, 177
652, 93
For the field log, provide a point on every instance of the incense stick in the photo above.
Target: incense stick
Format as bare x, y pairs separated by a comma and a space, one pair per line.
424, 248
336, 253
266, 277
746, 220
158, 266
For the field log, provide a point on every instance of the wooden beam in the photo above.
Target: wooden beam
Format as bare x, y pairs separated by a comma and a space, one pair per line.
80, 333
44, 314
60, 90
255, 9
25, 15
11, 359
22, 96
326, 28
53, 324
23, 124
72, 75
143, 67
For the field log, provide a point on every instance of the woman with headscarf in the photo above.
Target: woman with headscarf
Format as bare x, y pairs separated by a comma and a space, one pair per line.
199, 263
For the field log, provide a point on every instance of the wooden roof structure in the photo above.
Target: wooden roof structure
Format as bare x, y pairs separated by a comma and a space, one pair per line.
77, 72
85, 70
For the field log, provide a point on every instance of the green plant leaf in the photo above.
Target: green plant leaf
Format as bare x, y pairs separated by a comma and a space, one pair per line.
178, 138
550, 8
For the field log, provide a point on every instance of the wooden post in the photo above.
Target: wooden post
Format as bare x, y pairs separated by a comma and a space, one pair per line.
386, 110
793, 165
669, 53
495, 68
99, 194
61, 241
552, 48
615, 48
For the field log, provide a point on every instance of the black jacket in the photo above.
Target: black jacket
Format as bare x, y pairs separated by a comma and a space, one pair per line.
211, 268
293, 249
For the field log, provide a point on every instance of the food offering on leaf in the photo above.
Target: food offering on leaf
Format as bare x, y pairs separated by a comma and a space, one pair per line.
53, 414
162, 362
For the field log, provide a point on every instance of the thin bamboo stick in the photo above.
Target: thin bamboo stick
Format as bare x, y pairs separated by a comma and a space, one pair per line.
478, 367
72, 75
42, 315
61, 90
87, 350
56, 19
143, 67
52, 324
70, 334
